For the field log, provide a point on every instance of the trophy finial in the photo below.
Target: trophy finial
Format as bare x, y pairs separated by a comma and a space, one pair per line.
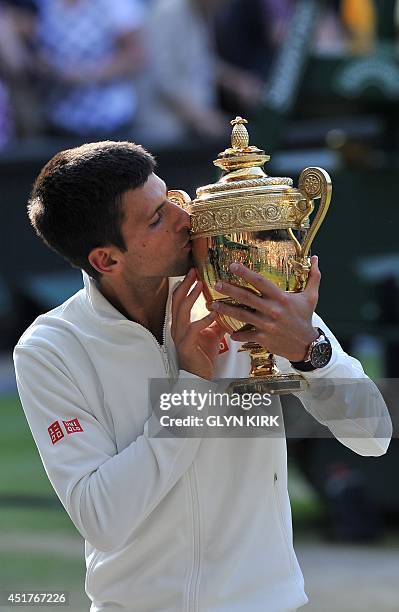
240, 156
240, 136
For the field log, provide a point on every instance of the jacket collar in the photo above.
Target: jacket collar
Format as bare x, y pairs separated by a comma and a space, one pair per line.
101, 307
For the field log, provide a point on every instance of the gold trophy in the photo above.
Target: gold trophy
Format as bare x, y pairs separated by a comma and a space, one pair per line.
263, 223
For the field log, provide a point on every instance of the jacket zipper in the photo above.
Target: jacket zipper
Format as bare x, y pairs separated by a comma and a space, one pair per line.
192, 481
163, 349
195, 572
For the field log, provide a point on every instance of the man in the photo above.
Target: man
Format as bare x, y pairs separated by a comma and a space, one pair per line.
179, 90
170, 523
91, 52
18, 89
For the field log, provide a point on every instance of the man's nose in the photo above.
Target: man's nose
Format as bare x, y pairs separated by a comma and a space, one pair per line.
182, 218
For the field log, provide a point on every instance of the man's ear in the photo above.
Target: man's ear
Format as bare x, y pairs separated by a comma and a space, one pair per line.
106, 260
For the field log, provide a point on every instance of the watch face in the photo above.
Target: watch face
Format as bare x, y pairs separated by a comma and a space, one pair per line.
321, 354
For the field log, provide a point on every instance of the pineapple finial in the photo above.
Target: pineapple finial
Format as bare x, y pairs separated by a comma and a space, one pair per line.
240, 136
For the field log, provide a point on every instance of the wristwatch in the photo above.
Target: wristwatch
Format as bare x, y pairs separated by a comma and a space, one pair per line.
318, 355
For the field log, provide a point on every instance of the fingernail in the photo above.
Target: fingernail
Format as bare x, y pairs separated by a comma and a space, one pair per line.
234, 267
219, 286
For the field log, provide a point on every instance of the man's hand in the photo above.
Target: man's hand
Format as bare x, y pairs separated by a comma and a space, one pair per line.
197, 344
282, 320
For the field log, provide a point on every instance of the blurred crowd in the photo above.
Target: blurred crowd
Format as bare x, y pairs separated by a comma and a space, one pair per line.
156, 70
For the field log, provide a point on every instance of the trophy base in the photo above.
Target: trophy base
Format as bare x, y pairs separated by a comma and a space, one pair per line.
278, 384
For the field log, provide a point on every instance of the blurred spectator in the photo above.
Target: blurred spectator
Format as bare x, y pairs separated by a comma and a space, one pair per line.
351, 25
90, 52
359, 18
247, 36
279, 14
5, 121
330, 35
249, 33
17, 64
179, 94
243, 35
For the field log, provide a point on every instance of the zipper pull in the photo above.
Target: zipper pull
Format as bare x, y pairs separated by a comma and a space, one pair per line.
165, 359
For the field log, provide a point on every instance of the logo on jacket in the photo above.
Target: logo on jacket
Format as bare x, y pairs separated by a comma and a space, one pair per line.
72, 426
55, 432
224, 347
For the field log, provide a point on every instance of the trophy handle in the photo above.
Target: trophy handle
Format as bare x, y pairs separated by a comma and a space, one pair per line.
179, 197
315, 183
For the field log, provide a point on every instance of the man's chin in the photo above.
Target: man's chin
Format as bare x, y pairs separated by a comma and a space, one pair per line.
181, 268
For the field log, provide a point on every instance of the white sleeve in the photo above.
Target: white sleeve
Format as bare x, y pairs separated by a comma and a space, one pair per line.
343, 398
107, 494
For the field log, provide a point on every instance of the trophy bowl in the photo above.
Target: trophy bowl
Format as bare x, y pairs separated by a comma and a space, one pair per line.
263, 223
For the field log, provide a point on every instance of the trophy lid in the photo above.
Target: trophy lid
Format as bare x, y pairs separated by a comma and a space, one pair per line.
245, 198
242, 167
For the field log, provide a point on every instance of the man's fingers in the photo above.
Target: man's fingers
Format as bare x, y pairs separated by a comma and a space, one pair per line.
245, 297
241, 314
264, 286
185, 285
313, 284
217, 329
192, 297
197, 326
182, 311
244, 336
180, 293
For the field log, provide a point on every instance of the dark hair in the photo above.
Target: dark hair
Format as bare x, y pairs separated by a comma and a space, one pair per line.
76, 201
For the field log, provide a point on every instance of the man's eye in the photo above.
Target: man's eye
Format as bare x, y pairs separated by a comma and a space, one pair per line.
156, 222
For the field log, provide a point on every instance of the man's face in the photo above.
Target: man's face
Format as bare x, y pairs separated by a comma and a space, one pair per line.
156, 233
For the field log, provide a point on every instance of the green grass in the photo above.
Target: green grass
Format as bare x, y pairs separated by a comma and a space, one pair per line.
36, 520
21, 470
22, 475
46, 573
39, 571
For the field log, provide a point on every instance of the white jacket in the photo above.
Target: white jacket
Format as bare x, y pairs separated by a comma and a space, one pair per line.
171, 524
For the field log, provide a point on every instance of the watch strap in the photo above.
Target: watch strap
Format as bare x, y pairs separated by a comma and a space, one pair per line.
305, 365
